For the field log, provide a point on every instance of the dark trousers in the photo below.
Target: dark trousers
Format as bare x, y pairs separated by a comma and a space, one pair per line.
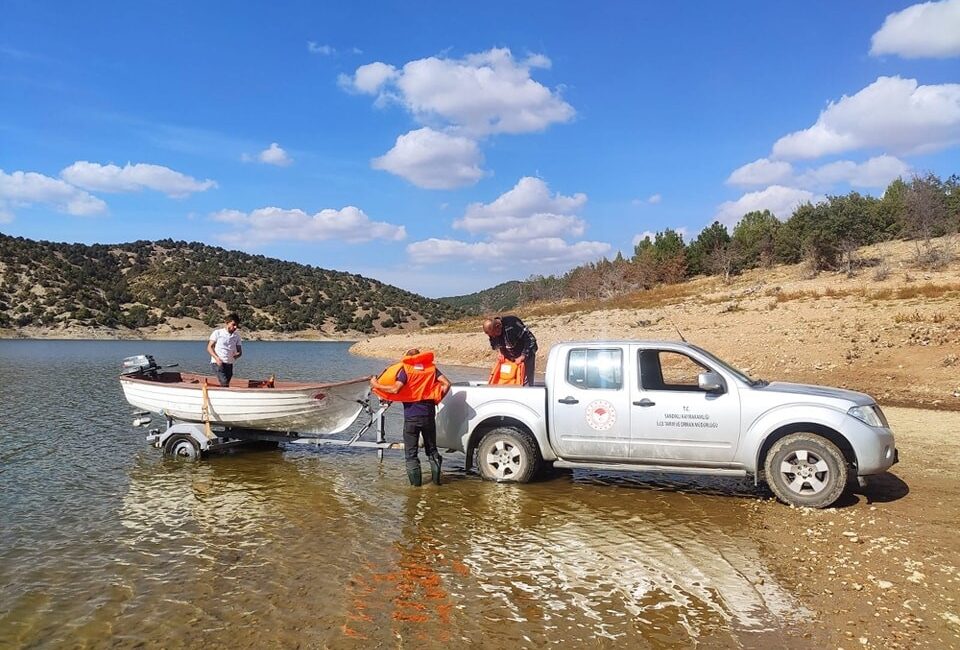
414, 427
528, 365
224, 373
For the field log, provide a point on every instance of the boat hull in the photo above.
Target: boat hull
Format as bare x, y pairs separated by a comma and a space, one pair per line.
287, 406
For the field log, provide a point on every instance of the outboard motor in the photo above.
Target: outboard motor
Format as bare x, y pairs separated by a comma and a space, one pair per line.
141, 364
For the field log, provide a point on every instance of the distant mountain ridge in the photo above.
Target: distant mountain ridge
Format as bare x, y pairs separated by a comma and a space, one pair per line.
143, 284
503, 297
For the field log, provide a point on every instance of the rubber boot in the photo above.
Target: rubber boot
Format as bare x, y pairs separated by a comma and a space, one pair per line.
413, 473
435, 461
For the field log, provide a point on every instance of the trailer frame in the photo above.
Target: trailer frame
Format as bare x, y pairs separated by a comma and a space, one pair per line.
194, 440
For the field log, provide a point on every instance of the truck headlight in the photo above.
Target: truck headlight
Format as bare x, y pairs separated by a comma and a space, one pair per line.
870, 415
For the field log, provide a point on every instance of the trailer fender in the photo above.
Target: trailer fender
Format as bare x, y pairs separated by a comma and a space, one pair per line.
191, 429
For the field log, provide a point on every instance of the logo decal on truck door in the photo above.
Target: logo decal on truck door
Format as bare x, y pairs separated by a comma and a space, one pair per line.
601, 415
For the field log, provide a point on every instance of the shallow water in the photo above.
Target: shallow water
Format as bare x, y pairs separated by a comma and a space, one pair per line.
103, 542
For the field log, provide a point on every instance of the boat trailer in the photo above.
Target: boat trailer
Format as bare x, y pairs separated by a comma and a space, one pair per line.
194, 440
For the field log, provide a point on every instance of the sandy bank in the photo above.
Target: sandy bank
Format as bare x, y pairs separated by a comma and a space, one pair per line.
893, 334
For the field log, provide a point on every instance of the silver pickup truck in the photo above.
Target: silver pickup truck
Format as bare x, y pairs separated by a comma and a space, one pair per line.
657, 406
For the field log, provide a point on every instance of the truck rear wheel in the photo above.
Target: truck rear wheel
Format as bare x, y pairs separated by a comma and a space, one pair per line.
804, 469
507, 455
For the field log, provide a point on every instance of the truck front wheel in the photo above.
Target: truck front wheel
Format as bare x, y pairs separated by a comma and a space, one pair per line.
804, 469
508, 455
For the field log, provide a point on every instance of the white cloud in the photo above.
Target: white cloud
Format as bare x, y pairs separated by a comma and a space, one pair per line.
433, 160
525, 230
928, 29
28, 188
761, 172
483, 93
875, 172
369, 78
527, 211
894, 114
542, 255
316, 48
780, 200
133, 178
460, 101
272, 224
274, 155
653, 199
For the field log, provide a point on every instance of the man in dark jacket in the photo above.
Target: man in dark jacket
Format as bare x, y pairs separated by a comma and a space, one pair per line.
511, 337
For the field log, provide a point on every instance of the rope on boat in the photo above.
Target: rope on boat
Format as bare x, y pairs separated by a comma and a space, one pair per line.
205, 412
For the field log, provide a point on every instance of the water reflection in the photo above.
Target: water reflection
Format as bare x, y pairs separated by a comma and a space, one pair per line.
579, 565
105, 542
356, 556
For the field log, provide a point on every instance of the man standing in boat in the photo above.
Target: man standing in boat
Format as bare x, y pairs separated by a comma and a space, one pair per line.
224, 348
420, 385
514, 341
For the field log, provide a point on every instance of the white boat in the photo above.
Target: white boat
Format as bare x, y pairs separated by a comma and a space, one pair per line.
301, 407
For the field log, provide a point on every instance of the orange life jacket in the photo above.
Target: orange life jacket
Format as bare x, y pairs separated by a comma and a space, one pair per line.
507, 373
421, 384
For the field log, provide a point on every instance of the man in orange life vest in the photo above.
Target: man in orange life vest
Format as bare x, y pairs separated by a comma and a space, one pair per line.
420, 385
511, 337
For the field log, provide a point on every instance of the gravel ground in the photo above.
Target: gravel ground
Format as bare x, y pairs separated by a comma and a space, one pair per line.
880, 568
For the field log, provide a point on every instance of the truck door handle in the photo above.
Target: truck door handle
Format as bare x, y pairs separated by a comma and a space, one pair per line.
644, 402
569, 400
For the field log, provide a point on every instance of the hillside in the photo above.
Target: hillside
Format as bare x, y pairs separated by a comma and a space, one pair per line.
169, 288
891, 328
503, 296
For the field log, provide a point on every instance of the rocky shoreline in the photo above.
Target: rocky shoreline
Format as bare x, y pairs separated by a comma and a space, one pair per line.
157, 334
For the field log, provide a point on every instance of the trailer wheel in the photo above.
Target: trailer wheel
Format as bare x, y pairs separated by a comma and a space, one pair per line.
180, 445
507, 455
804, 469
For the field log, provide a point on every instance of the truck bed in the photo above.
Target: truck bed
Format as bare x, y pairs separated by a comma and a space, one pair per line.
469, 404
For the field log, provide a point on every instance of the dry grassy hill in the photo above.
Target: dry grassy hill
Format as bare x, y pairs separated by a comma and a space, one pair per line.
892, 329
170, 289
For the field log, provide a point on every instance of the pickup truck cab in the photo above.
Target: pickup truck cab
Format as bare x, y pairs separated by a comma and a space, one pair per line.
656, 406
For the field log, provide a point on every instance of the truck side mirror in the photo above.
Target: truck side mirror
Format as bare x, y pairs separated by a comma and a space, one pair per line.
710, 381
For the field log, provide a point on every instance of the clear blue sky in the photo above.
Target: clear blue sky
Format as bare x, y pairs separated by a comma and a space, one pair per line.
446, 147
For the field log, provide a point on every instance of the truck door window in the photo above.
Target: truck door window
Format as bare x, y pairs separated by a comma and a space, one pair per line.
595, 368
667, 370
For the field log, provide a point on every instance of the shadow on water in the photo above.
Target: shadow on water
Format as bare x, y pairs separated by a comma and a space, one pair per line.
882, 488
663, 482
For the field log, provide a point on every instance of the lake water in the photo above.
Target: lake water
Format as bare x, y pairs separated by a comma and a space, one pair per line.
104, 542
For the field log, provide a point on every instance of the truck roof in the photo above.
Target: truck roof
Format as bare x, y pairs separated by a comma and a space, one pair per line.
649, 342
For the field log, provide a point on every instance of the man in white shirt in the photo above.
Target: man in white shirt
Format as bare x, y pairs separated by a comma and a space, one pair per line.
224, 349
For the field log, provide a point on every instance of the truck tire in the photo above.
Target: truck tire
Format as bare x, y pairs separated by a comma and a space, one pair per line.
507, 455
804, 469
180, 445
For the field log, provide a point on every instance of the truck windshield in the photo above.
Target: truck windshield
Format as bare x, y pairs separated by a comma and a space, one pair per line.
739, 374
